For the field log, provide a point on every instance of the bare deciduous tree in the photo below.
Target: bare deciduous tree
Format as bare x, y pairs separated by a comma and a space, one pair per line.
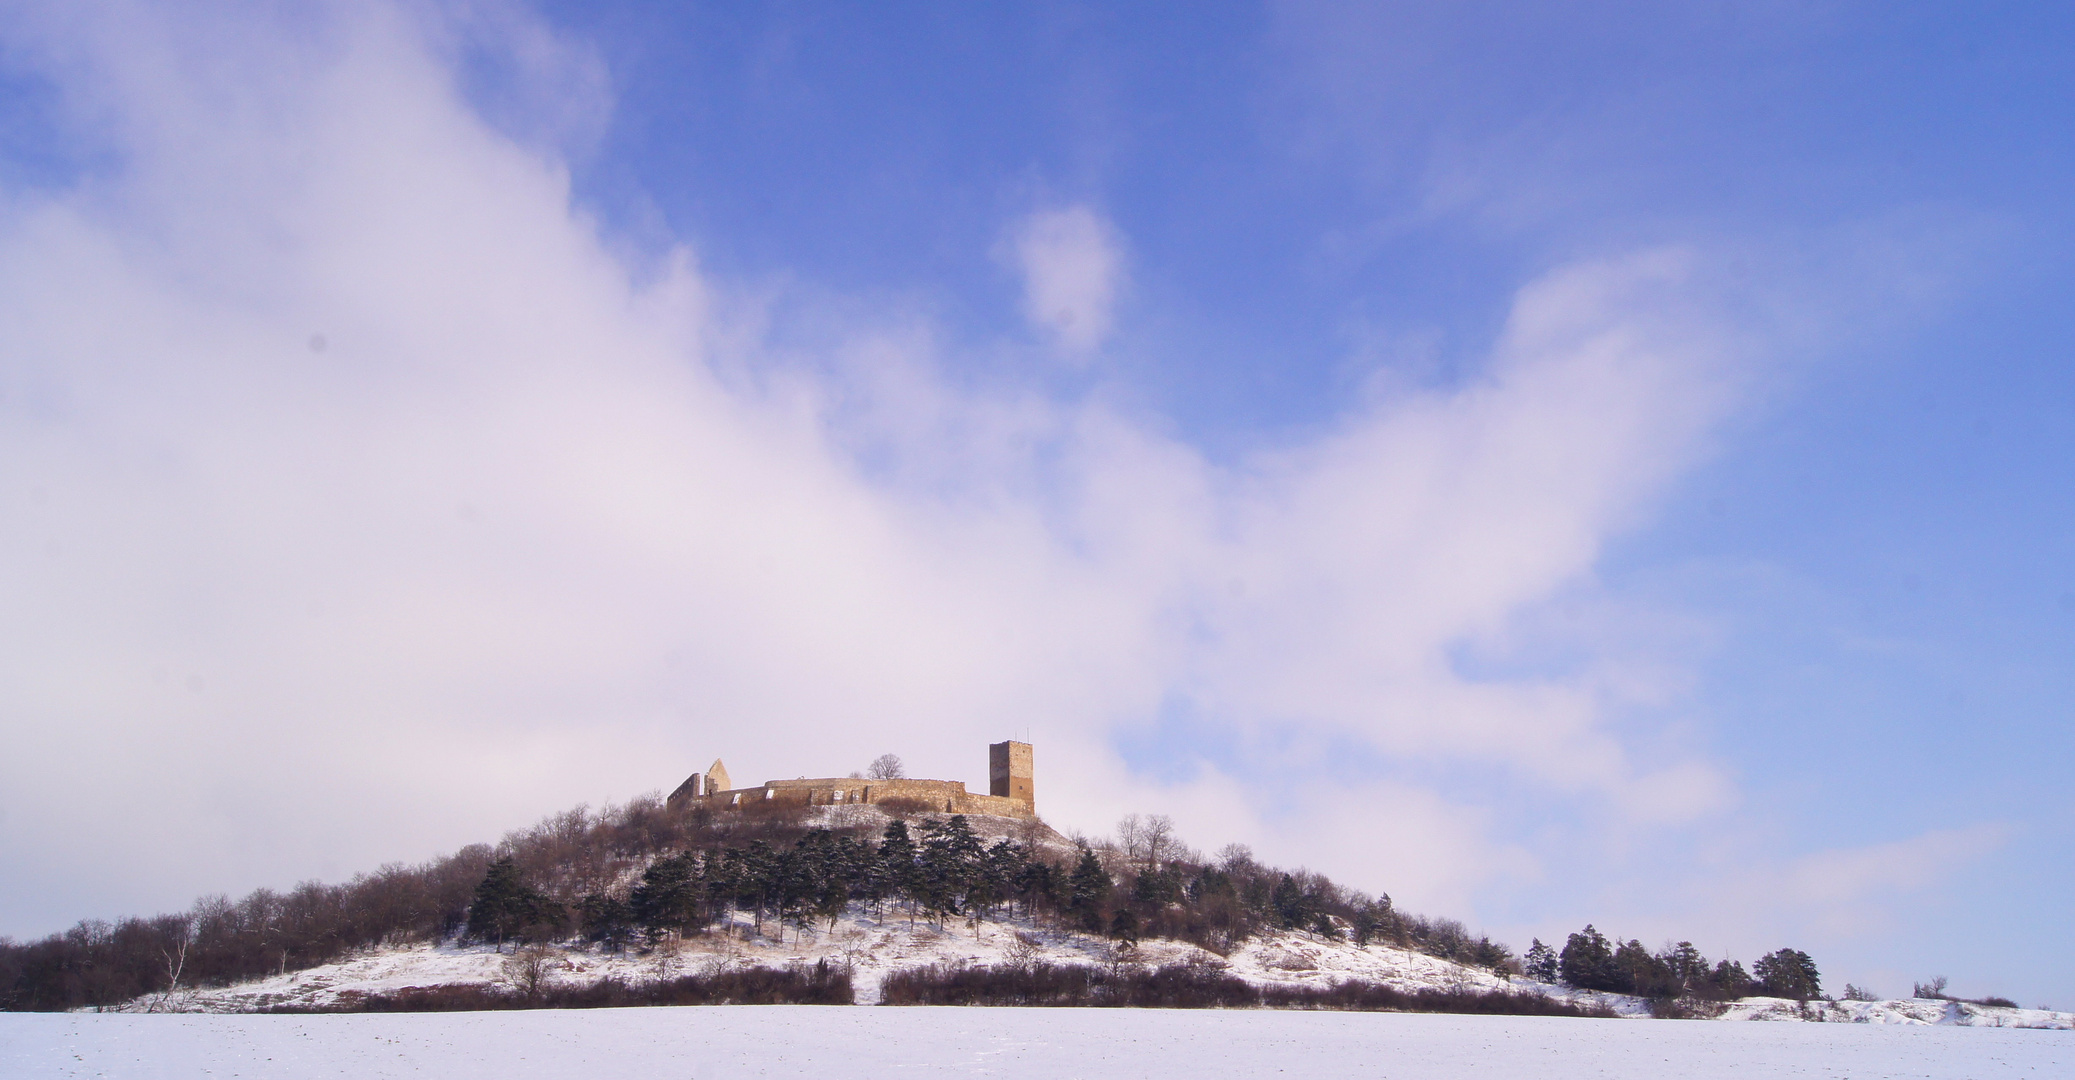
527, 968
1147, 841
177, 933
886, 767
1023, 951
1130, 835
1156, 836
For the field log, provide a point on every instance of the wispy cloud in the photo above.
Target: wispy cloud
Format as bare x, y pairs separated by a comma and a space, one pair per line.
1073, 271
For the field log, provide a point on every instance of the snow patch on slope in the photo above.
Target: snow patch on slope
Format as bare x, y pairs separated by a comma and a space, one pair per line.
1913, 1011
873, 948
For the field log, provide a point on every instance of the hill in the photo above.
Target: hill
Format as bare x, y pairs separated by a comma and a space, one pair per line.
642, 894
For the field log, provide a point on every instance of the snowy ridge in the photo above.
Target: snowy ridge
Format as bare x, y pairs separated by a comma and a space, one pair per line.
1920, 1012
873, 948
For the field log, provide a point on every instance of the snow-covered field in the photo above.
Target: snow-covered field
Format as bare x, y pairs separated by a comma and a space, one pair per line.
808, 1041
874, 948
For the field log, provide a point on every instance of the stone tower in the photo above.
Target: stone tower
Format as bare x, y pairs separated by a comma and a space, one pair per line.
716, 778
1009, 772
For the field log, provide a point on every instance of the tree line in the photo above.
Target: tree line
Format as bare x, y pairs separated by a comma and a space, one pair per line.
1589, 961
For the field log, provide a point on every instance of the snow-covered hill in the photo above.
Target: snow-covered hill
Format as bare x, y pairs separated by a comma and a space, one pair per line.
873, 948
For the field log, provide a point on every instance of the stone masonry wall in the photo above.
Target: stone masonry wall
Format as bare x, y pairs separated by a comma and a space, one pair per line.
1009, 778
947, 796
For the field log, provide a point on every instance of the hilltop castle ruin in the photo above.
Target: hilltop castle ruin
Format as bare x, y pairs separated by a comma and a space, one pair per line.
1010, 789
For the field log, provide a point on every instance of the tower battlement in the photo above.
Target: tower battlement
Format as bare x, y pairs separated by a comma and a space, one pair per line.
1009, 773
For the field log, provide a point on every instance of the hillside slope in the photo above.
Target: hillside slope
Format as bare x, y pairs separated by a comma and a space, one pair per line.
873, 948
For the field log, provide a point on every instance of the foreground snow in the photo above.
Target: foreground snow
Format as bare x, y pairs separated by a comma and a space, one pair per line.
874, 948
1110, 1043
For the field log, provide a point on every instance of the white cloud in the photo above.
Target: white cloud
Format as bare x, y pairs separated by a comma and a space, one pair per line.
1753, 902
509, 540
1847, 876
1073, 270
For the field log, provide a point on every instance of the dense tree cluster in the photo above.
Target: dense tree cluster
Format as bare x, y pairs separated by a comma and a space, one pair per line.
1591, 962
1145, 885
506, 907
1788, 973
949, 872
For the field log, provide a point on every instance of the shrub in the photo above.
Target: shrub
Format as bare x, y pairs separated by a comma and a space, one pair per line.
1189, 986
1355, 995
799, 985
1174, 986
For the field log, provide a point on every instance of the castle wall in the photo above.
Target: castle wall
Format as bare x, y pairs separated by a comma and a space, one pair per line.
690, 789
995, 805
946, 796
1009, 779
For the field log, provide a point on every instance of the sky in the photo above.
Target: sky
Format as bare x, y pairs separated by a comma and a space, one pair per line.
1551, 463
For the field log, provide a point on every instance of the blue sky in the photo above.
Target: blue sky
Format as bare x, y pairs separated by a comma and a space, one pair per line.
1550, 462
1879, 542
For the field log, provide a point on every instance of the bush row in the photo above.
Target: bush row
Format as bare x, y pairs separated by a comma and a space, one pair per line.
1187, 986
817, 985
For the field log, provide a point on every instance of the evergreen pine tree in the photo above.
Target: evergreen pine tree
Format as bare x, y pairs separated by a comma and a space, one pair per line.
608, 920
1157, 888
795, 884
841, 871
751, 876
720, 884
1687, 966
760, 882
993, 878
1372, 919
504, 907
1641, 973
1729, 981
1038, 883
1087, 891
1788, 973
1587, 961
667, 900
897, 862
1294, 906
950, 860
1541, 963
